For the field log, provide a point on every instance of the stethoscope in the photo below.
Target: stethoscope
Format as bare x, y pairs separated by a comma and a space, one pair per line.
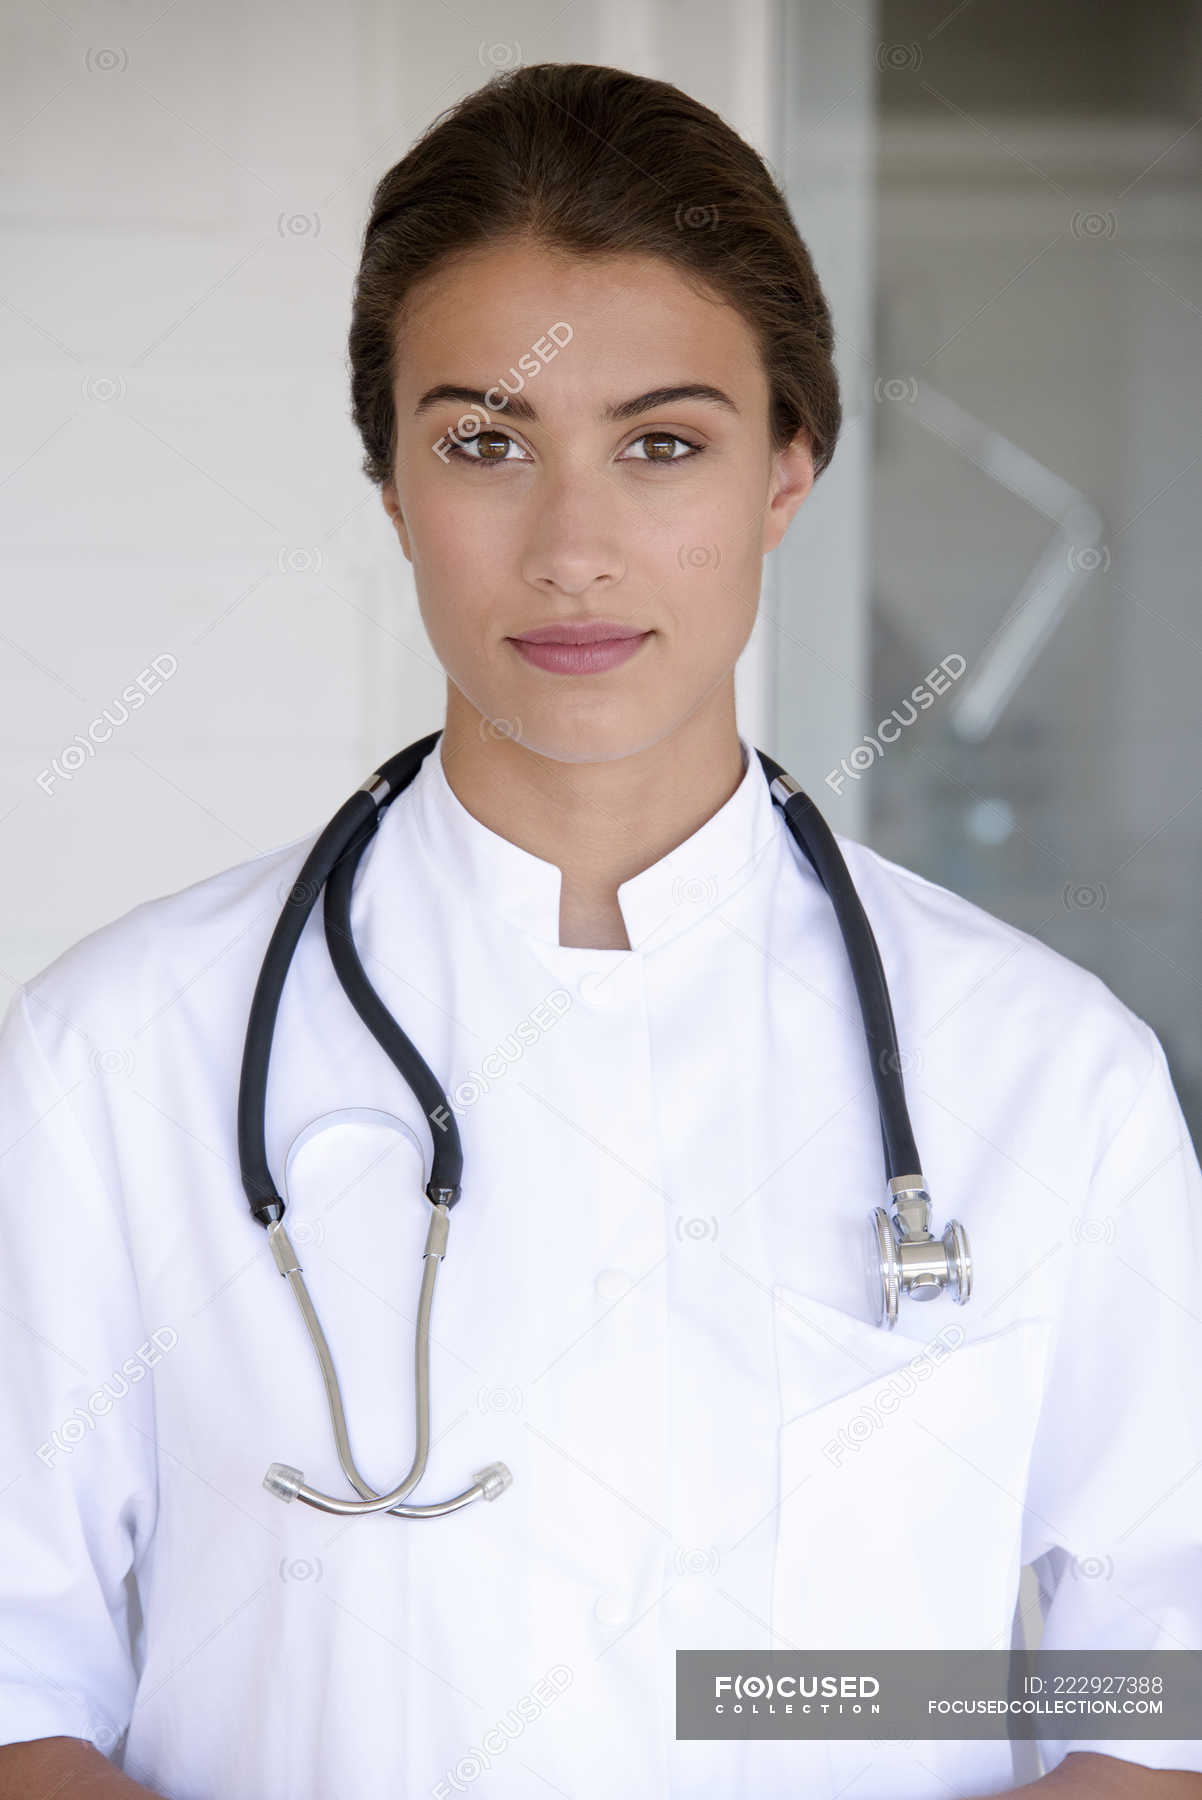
902, 1255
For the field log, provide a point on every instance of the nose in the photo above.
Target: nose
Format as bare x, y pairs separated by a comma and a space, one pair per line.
575, 537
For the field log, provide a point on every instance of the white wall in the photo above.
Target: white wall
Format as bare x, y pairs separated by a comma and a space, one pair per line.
178, 473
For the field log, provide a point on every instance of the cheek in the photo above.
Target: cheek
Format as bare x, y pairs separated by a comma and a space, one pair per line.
456, 569
712, 525
453, 621
711, 567
708, 615
447, 531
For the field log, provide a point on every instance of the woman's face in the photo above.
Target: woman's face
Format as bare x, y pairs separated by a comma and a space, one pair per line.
533, 505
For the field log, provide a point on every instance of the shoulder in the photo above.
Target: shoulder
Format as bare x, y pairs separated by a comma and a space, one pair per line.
186, 947
1002, 986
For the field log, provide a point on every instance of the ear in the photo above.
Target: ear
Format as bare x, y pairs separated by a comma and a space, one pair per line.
792, 479
392, 507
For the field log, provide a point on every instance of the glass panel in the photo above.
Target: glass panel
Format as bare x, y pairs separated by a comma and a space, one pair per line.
1037, 483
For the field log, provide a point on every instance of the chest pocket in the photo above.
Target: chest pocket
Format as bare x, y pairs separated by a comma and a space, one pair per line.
902, 1476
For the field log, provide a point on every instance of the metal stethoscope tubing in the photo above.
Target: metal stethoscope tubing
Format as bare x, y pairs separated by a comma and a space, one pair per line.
331, 865
288, 1483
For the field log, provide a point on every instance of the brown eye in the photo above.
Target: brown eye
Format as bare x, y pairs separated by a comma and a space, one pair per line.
658, 447
485, 449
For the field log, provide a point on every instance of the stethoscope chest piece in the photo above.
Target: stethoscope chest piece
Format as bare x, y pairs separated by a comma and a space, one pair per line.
903, 1257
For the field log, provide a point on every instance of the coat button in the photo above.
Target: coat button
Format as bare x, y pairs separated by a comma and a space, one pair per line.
611, 1609
598, 987
611, 1284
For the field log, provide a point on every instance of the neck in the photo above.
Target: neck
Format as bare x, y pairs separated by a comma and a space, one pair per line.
601, 822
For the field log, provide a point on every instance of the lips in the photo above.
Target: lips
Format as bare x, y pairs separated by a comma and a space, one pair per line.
590, 655
580, 631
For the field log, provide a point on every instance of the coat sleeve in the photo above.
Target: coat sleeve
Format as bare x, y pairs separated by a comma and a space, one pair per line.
77, 1463
1113, 1525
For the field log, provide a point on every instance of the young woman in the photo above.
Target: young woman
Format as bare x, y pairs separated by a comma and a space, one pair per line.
591, 366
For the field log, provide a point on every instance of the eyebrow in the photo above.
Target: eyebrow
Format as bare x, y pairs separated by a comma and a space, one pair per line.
519, 408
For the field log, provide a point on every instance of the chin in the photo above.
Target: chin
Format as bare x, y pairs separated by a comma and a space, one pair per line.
593, 740
588, 726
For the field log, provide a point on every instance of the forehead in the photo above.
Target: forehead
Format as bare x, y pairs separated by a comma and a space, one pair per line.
635, 321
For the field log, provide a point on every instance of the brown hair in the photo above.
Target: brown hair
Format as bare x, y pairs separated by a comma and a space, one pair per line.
595, 161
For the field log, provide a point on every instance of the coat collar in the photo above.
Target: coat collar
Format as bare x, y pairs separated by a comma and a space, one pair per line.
658, 903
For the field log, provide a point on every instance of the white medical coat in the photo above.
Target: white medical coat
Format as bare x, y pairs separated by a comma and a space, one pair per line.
652, 1309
